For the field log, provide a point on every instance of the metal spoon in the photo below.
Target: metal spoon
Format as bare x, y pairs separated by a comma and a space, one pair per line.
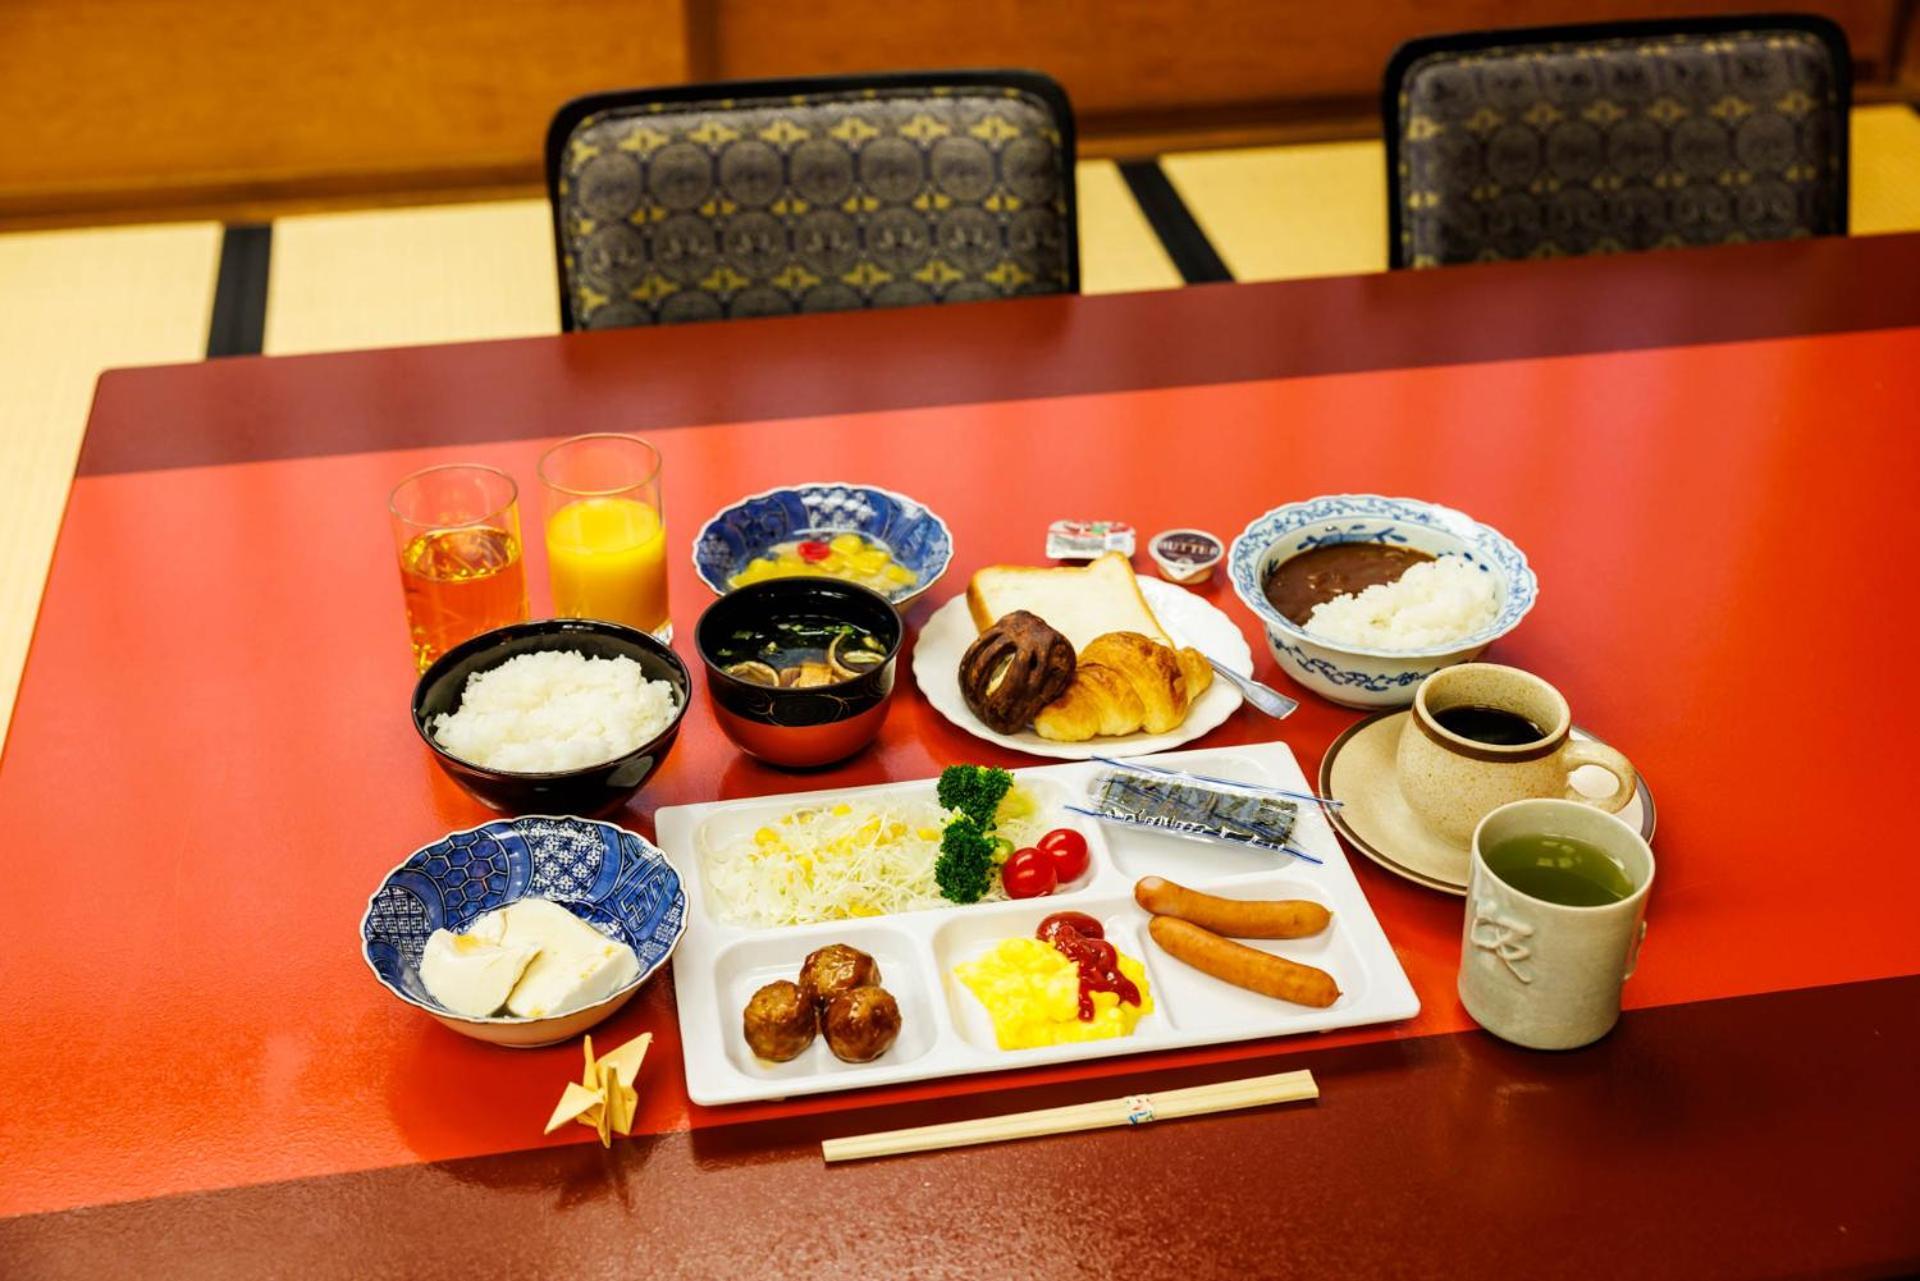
1267, 699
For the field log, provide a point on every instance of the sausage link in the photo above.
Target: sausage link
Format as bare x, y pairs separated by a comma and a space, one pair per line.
1243, 966
1287, 918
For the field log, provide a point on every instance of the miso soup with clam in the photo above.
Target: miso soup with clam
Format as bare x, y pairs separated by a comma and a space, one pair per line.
799, 651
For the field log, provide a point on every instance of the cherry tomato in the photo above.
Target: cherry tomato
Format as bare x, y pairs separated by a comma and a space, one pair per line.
1079, 922
1028, 874
1066, 849
812, 551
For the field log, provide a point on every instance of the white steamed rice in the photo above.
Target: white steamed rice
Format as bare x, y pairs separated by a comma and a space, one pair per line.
1435, 602
555, 710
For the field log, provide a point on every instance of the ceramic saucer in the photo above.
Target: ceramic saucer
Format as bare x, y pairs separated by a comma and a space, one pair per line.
1358, 771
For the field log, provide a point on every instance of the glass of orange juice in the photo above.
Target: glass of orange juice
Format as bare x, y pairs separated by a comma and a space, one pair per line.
457, 530
606, 535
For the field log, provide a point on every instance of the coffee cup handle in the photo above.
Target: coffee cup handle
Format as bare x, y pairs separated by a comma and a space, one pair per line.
1633, 953
1626, 781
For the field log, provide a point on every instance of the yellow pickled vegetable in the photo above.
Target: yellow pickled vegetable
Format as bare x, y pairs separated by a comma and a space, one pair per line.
852, 557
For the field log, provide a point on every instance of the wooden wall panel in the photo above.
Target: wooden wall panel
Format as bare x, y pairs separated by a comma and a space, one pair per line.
240, 108
1908, 72
170, 101
1130, 61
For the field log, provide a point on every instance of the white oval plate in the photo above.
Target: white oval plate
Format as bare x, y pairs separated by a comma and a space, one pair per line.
1187, 618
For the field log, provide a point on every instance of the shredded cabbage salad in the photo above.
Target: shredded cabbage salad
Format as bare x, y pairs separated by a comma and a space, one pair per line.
847, 859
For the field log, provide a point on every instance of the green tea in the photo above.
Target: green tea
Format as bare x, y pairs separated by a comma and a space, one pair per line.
1558, 869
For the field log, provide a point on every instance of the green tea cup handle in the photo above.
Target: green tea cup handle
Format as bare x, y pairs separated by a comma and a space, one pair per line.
1578, 753
1633, 953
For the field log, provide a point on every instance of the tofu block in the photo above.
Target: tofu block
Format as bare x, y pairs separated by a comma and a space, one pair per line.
575, 965
473, 974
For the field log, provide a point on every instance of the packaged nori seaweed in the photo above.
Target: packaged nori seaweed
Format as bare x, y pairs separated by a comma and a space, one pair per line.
1197, 806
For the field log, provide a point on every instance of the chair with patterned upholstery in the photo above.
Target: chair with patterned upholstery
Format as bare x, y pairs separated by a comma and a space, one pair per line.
758, 198
1579, 140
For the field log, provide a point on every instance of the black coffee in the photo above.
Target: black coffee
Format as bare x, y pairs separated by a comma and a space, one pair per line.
1493, 726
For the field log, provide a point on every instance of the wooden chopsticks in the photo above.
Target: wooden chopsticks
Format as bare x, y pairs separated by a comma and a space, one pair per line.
1135, 1109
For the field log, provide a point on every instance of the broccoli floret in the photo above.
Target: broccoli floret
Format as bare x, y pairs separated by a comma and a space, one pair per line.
964, 869
974, 790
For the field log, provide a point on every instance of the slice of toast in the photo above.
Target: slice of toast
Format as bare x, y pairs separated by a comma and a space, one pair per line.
1078, 602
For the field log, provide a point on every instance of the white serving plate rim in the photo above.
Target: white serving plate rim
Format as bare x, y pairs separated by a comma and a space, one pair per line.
936, 672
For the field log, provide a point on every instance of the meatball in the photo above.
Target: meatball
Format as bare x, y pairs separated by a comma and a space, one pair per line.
861, 1023
836, 968
780, 1021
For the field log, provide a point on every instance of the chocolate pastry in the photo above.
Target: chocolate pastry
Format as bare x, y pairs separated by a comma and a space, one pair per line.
1014, 669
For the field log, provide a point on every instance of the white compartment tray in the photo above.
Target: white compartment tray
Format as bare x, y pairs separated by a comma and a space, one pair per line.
945, 1031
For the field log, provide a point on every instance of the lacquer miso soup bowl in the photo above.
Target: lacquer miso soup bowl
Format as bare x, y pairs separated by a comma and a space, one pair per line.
800, 671
1363, 676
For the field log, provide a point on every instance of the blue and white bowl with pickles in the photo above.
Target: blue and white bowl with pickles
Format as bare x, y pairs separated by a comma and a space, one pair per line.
1355, 676
618, 882
874, 537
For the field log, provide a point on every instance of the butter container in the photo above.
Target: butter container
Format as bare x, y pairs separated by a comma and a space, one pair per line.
1185, 555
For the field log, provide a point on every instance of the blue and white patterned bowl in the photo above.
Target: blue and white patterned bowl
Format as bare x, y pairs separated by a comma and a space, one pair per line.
618, 882
918, 539
1355, 676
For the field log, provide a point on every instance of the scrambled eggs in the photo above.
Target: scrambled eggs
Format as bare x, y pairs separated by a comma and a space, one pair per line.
1033, 993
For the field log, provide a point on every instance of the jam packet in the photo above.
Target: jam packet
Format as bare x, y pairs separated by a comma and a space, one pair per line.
1086, 539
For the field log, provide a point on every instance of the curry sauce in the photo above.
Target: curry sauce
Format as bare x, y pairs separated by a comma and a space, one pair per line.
1314, 577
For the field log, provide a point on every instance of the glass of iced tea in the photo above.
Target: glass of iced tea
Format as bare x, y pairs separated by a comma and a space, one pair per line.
606, 536
457, 530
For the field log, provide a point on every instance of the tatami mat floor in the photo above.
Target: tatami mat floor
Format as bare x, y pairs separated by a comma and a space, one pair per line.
388, 277
77, 302
82, 301
1885, 194
394, 276
1274, 213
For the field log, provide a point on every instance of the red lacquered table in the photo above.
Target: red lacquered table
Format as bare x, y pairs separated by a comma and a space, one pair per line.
1712, 458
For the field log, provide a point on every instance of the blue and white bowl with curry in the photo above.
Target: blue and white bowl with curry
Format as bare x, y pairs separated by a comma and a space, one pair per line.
1373, 532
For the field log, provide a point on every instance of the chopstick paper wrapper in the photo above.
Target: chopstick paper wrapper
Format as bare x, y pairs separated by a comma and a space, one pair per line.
1135, 1109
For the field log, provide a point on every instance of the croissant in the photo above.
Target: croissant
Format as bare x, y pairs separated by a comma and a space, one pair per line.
1125, 682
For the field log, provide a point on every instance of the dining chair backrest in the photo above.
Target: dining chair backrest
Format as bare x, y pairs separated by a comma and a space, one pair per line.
1601, 139
757, 198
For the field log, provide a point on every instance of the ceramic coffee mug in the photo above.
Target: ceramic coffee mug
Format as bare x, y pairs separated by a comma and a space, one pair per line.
1542, 974
1451, 782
